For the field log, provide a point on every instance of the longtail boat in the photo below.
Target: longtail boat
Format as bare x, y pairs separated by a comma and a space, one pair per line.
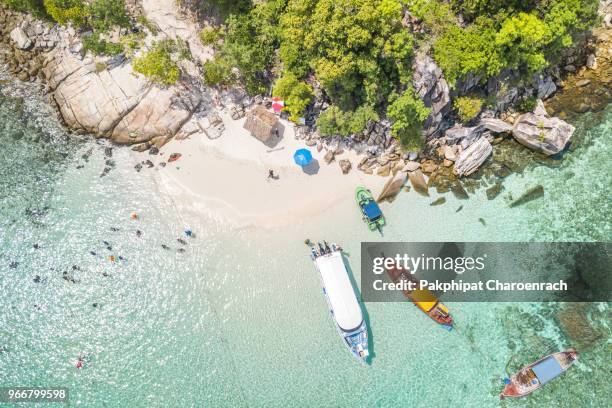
530, 378
424, 299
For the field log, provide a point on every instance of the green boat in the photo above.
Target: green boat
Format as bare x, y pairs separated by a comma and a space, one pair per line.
369, 209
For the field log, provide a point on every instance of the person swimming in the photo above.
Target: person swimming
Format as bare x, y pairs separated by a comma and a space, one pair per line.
80, 362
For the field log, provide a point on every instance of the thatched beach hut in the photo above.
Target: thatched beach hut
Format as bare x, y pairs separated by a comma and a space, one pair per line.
262, 123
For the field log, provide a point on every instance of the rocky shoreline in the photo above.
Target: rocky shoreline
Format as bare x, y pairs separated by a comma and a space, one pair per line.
102, 96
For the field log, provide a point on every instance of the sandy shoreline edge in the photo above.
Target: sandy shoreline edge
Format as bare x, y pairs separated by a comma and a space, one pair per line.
226, 178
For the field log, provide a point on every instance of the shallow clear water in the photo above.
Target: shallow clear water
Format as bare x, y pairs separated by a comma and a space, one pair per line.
239, 319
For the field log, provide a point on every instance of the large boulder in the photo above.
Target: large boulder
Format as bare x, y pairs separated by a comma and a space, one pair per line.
418, 182
463, 135
496, 125
542, 133
432, 88
544, 85
345, 166
113, 102
20, 38
473, 157
392, 187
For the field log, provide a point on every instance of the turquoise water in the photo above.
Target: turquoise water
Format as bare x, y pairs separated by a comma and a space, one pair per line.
238, 318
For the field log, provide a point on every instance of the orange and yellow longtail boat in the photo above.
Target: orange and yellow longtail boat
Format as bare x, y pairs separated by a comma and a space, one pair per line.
424, 299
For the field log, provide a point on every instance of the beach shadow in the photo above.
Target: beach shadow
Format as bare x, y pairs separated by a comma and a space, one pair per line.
366, 315
312, 168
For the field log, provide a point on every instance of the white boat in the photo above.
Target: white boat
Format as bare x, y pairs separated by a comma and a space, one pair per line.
341, 299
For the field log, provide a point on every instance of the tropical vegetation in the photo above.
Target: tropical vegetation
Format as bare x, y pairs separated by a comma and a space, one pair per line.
355, 55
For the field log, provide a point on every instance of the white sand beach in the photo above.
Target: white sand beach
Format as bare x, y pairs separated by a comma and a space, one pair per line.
227, 178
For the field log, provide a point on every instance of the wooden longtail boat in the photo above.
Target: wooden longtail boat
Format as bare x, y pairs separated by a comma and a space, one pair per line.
530, 378
424, 299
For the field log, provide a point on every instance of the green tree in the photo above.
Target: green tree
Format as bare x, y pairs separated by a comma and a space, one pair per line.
357, 49
296, 94
65, 11
35, 7
468, 107
99, 46
407, 113
334, 121
522, 39
105, 14
157, 64
217, 72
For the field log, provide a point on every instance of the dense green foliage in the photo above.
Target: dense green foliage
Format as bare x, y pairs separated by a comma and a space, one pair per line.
100, 46
157, 64
522, 35
296, 94
407, 113
101, 15
249, 43
211, 36
334, 121
35, 7
65, 11
359, 53
105, 14
356, 53
468, 107
217, 72
357, 49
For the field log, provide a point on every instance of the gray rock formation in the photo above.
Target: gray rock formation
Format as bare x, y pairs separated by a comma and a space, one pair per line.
345, 166
114, 102
412, 166
544, 86
542, 133
432, 88
418, 182
496, 125
463, 135
392, 187
473, 157
20, 38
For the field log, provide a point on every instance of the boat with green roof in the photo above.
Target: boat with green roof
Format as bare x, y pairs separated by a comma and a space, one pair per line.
371, 213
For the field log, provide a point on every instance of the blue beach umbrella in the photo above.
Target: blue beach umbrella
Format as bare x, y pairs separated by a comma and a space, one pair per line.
302, 157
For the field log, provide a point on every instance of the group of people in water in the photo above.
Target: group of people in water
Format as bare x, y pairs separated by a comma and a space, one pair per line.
69, 274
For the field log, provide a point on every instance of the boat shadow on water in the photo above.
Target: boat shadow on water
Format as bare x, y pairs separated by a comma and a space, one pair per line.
364, 310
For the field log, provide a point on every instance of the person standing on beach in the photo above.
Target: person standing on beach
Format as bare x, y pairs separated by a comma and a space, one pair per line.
271, 175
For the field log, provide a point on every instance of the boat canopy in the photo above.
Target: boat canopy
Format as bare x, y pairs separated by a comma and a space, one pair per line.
371, 210
547, 369
340, 293
424, 299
